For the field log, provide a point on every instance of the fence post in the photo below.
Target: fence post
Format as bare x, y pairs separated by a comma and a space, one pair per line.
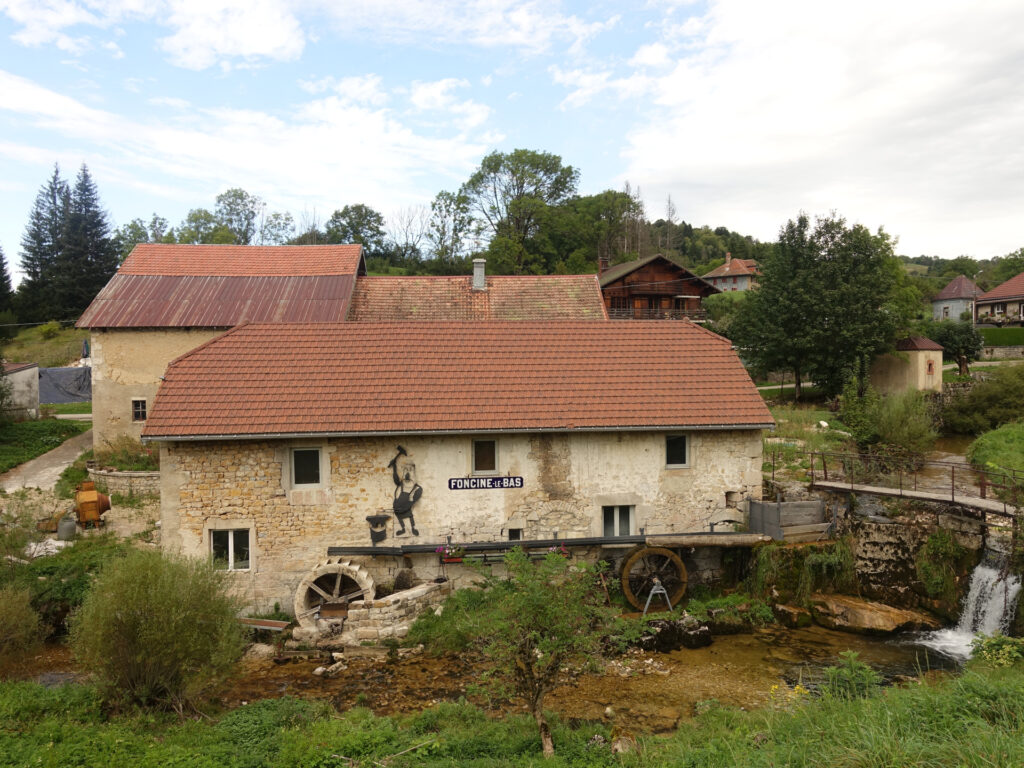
952, 482
824, 467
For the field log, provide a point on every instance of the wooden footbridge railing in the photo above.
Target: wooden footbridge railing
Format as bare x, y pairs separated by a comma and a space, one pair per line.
997, 492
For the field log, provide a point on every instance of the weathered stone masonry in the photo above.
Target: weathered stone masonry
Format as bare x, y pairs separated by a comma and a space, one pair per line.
567, 479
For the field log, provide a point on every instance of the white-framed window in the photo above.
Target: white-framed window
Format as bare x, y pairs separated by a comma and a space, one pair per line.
138, 409
677, 450
485, 457
230, 549
618, 520
305, 468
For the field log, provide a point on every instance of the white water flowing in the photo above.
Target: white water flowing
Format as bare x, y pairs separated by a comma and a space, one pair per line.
988, 609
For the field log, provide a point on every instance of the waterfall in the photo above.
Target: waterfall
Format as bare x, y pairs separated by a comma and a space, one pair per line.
988, 609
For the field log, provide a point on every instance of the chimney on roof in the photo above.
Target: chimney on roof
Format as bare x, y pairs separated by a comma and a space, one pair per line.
728, 259
602, 264
479, 278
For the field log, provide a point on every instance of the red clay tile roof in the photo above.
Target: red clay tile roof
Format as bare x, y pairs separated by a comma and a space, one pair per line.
918, 343
15, 367
541, 297
734, 268
398, 378
154, 301
960, 287
242, 260
1011, 289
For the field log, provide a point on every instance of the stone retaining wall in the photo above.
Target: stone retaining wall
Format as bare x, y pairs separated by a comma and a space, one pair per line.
1002, 353
126, 483
375, 620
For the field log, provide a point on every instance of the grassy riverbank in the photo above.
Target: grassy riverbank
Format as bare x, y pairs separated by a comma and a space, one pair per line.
974, 721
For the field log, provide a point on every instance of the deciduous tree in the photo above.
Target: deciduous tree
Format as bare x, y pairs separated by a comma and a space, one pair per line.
960, 340
357, 223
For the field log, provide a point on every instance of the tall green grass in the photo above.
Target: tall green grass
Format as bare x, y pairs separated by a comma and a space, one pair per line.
973, 721
1000, 449
24, 440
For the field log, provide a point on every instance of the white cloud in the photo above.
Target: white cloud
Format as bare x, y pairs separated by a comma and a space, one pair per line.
359, 89
216, 31
318, 155
439, 96
906, 115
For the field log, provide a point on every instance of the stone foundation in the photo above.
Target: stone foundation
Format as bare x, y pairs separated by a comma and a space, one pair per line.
126, 483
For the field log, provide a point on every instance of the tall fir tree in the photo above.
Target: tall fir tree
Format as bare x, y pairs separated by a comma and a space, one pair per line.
40, 246
88, 256
6, 293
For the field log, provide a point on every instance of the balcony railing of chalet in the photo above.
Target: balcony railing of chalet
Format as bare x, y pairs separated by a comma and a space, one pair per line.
628, 313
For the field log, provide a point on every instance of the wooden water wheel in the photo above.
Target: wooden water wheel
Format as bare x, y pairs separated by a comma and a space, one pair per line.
642, 565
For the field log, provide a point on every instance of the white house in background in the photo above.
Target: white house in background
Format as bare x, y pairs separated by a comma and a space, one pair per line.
955, 299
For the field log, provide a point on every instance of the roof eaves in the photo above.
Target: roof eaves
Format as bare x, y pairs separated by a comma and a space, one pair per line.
428, 432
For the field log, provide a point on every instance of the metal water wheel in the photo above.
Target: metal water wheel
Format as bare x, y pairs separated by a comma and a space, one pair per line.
642, 565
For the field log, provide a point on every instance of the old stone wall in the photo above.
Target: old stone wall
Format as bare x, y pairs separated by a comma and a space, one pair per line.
24, 393
1002, 353
566, 480
126, 365
126, 483
374, 620
887, 535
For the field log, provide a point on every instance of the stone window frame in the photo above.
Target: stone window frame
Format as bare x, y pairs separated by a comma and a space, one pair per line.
689, 450
497, 458
285, 455
320, 466
617, 521
234, 524
140, 410
640, 511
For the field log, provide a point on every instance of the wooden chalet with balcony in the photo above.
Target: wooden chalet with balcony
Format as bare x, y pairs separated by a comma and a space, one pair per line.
654, 288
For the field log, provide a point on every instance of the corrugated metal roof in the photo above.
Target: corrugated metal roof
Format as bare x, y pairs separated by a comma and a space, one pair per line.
406, 377
210, 301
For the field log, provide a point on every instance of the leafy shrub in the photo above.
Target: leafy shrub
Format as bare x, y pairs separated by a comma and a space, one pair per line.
998, 650
895, 424
59, 583
73, 474
49, 330
937, 563
20, 627
851, 679
126, 454
796, 572
989, 404
737, 608
157, 630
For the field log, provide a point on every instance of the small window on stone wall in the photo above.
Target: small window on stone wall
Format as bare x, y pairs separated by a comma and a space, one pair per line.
617, 520
306, 466
931, 367
485, 457
230, 549
676, 451
515, 534
138, 410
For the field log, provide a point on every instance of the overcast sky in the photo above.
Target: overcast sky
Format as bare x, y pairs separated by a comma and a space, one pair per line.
905, 115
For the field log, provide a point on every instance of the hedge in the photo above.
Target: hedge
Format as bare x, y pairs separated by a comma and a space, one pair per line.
1003, 337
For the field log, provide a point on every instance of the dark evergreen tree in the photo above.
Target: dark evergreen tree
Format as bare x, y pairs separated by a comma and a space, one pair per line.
6, 294
88, 257
40, 246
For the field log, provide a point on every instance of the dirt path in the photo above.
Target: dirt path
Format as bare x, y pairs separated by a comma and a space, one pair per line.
43, 471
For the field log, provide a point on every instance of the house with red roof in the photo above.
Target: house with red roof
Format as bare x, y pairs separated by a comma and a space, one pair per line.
734, 275
386, 440
956, 299
165, 300
1003, 305
653, 288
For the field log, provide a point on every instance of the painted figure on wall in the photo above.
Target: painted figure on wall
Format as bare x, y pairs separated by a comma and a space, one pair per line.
407, 490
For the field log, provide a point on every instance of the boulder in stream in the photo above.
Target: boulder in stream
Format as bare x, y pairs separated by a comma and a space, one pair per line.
853, 614
666, 635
